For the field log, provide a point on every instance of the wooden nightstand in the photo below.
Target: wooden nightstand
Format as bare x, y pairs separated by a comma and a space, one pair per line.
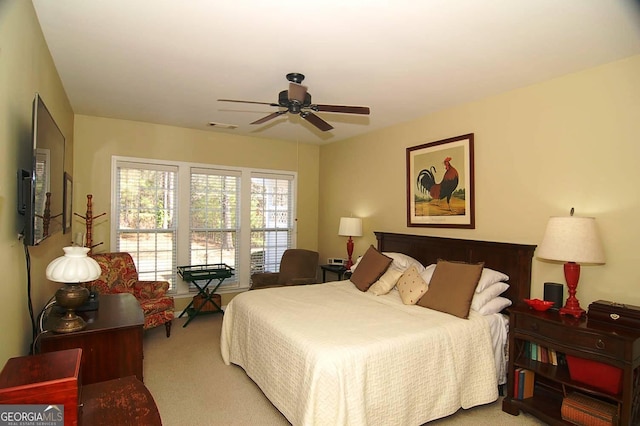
570, 336
339, 270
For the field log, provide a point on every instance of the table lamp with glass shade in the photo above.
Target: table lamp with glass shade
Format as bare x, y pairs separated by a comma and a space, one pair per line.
71, 269
573, 240
350, 227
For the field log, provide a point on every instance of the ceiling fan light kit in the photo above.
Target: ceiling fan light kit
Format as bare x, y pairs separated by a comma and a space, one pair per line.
297, 100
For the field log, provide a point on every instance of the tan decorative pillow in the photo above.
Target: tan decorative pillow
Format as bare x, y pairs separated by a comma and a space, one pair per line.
371, 267
452, 287
411, 286
386, 282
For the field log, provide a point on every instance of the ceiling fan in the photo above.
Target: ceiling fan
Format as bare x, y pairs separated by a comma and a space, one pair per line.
297, 100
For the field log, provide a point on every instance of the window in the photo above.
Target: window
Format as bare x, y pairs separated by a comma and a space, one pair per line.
173, 213
214, 219
271, 219
145, 203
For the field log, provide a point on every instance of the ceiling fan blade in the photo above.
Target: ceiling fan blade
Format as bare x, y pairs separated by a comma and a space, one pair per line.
248, 102
341, 108
269, 117
297, 92
316, 121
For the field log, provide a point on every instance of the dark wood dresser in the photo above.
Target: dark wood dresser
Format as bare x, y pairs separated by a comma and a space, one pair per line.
601, 345
111, 343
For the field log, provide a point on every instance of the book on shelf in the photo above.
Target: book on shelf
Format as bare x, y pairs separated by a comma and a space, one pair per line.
542, 354
523, 383
584, 410
529, 380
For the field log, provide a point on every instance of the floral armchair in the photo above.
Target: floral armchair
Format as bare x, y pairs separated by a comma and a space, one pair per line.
119, 275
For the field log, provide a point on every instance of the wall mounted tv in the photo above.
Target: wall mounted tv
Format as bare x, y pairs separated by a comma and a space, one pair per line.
40, 186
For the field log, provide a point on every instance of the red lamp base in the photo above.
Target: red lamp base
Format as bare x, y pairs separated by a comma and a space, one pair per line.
349, 253
572, 305
576, 312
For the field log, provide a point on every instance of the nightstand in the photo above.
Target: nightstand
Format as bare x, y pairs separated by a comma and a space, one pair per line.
569, 336
339, 270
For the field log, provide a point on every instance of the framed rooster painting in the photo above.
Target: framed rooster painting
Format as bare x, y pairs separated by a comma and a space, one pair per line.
440, 183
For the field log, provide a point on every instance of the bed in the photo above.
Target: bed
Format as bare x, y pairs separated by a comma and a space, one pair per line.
331, 354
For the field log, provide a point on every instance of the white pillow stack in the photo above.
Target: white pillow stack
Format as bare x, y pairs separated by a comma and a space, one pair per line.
400, 264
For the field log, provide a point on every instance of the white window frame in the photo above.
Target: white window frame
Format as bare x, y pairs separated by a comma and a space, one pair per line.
241, 280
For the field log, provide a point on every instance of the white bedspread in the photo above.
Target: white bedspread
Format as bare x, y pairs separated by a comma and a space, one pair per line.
329, 354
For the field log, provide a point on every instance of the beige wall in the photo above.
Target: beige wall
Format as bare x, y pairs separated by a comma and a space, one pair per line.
540, 150
98, 139
26, 67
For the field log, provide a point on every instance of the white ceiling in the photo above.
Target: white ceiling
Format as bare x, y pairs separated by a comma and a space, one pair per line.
168, 61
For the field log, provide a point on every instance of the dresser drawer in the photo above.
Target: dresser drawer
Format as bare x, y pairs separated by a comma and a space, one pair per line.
574, 337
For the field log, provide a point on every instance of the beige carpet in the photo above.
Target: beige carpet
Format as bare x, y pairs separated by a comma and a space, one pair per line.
193, 387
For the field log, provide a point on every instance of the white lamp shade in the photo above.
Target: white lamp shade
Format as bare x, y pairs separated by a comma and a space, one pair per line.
572, 239
74, 267
350, 227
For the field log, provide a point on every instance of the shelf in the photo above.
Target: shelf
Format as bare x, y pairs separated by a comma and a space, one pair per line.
561, 375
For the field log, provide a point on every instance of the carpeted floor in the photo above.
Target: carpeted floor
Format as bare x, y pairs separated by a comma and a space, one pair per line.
193, 387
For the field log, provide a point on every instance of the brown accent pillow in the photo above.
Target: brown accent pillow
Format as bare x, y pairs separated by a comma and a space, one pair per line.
371, 267
452, 287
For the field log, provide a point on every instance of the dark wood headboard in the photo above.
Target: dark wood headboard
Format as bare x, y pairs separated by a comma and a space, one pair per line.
511, 259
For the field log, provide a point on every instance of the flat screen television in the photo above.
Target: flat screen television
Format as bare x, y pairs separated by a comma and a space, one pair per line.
40, 185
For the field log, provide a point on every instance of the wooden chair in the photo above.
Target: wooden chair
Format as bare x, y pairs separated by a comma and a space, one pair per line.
297, 267
119, 275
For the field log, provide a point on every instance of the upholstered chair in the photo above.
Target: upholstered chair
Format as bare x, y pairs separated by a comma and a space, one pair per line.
119, 275
297, 266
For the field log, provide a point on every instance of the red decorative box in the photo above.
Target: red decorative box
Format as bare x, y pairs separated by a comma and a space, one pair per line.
596, 374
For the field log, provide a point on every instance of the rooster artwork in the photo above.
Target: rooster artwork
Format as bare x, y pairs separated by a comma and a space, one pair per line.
439, 191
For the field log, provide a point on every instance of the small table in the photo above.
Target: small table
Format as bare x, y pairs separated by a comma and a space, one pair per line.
111, 342
201, 276
339, 270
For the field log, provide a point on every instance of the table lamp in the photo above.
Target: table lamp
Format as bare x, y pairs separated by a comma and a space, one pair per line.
350, 227
573, 240
72, 268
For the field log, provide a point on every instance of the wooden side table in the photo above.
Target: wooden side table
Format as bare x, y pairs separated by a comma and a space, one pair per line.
576, 337
53, 379
339, 270
111, 342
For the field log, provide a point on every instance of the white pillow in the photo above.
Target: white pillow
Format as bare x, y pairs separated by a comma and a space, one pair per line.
402, 262
386, 282
495, 305
428, 273
355, 264
488, 294
490, 277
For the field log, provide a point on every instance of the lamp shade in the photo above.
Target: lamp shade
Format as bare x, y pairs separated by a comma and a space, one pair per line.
350, 227
74, 267
572, 239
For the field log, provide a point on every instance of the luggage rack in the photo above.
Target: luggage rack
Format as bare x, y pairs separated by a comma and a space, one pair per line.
201, 276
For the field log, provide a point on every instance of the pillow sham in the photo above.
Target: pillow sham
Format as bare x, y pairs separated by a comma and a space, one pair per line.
495, 305
451, 288
402, 262
490, 277
370, 268
481, 299
386, 282
411, 286
428, 273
